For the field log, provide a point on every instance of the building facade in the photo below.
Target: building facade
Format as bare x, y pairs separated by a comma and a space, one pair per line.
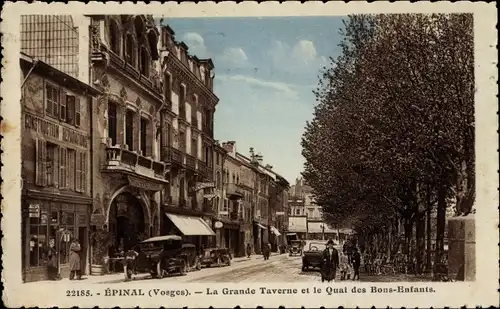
56, 156
56, 102
219, 176
187, 143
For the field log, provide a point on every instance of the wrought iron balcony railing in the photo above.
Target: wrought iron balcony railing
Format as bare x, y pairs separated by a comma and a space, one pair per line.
119, 158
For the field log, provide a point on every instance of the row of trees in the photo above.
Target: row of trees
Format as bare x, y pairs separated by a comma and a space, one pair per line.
392, 138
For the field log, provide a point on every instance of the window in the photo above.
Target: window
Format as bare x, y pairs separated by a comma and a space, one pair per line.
234, 178
51, 167
114, 37
182, 141
52, 102
112, 122
144, 65
81, 172
217, 180
63, 168
144, 128
182, 190
129, 50
297, 211
71, 169
168, 87
129, 129
182, 102
194, 147
217, 158
225, 206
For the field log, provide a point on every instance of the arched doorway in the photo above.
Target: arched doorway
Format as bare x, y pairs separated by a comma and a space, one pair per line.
127, 221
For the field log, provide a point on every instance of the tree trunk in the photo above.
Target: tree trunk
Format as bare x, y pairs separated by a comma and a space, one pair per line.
428, 229
441, 222
420, 237
408, 235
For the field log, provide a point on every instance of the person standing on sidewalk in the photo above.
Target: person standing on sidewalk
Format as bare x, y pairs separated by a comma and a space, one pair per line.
356, 263
249, 250
330, 262
52, 269
74, 260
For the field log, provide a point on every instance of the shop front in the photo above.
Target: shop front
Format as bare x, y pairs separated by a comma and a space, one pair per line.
50, 224
232, 238
193, 229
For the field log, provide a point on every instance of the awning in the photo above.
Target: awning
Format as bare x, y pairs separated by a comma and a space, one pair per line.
275, 231
191, 226
261, 226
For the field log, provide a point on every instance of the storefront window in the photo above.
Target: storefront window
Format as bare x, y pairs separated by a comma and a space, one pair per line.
43, 227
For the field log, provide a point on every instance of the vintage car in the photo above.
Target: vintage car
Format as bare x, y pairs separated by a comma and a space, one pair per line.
189, 253
157, 256
295, 248
216, 256
313, 255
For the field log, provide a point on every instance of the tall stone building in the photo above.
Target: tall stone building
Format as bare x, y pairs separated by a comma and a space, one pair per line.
56, 104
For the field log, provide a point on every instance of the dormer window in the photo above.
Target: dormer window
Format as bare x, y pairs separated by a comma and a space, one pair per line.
114, 37
129, 50
144, 65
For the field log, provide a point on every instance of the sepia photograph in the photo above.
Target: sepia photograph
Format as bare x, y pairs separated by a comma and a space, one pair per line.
335, 151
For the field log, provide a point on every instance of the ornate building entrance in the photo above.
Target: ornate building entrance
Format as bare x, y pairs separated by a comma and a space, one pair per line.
127, 221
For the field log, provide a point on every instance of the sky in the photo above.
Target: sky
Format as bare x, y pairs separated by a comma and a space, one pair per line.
265, 72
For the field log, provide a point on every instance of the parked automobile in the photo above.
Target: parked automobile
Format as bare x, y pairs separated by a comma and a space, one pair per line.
189, 253
157, 256
214, 256
295, 248
313, 255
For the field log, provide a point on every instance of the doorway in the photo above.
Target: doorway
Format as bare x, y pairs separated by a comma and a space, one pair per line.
83, 239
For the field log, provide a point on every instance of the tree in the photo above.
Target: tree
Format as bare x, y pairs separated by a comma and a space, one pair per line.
393, 130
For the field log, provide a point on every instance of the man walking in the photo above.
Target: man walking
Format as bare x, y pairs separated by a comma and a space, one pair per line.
330, 262
356, 262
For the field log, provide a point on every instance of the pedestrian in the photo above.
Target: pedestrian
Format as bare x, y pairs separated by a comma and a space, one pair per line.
74, 260
249, 250
356, 263
52, 269
330, 262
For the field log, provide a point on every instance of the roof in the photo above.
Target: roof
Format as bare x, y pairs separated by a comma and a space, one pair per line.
161, 238
58, 76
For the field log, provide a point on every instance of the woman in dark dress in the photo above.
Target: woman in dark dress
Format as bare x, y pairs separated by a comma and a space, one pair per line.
330, 262
74, 260
52, 262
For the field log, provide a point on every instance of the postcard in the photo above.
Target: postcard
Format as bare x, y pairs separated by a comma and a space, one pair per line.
316, 154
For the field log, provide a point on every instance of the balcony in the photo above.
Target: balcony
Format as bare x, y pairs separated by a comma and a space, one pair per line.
120, 159
190, 162
166, 154
204, 170
177, 156
233, 191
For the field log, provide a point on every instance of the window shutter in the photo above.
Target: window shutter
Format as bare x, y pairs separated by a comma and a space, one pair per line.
84, 172
70, 109
63, 183
77, 111
56, 96
62, 105
41, 177
48, 100
78, 175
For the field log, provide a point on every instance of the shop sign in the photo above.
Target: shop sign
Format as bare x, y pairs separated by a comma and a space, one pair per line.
280, 213
97, 219
204, 185
54, 130
209, 196
143, 184
34, 211
218, 224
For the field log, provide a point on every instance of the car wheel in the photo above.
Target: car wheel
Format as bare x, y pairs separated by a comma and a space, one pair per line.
303, 268
183, 269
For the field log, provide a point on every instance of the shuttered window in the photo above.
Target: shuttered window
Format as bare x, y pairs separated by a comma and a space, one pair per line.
77, 111
63, 168
41, 154
62, 105
70, 109
71, 169
83, 173
52, 100
78, 172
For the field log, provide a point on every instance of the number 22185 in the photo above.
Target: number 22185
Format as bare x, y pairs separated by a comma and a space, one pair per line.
70, 293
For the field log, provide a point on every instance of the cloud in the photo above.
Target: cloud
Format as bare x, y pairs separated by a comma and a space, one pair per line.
196, 44
286, 89
234, 56
302, 55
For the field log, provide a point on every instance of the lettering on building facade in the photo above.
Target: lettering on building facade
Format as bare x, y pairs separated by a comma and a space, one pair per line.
54, 130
